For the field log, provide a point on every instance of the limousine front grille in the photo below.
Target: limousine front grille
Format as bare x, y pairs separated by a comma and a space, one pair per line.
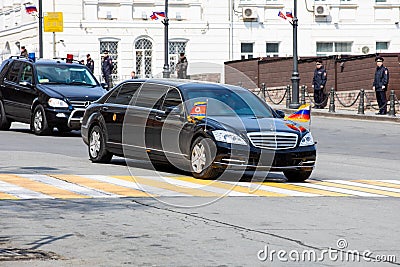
80, 104
273, 140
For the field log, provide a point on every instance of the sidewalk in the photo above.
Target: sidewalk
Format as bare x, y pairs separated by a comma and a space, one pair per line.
344, 113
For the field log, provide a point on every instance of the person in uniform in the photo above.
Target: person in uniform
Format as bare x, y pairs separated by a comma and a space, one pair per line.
24, 52
380, 85
106, 69
318, 83
181, 66
89, 63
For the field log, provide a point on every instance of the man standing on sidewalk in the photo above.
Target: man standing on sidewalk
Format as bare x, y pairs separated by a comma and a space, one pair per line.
106, 69
380, 85
318, 83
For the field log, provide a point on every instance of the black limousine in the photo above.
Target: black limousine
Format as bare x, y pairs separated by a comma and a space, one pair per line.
204, 128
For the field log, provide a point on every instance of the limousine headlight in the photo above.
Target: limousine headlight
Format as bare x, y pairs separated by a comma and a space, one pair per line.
57, 103
228, 137
307, 140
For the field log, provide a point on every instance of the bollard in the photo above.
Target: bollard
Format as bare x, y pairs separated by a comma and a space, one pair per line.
332, 102
303, 95
392, 109
361, 104
263, 91
288, 97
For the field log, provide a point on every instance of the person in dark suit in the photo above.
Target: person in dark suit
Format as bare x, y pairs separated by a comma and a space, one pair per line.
318, 83
89, 63
380, 85
106, 69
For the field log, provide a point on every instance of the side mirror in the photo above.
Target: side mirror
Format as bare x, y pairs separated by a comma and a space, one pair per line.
280, 113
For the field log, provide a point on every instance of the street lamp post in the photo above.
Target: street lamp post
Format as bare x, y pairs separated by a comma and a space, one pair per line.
295, 75
166, 71
40, 29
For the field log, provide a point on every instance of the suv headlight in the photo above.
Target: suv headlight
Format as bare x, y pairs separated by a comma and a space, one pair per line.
228, 137
57, 103
307, 140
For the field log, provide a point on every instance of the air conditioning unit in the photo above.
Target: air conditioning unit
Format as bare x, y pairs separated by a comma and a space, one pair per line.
249, 13
321, 10
365, 50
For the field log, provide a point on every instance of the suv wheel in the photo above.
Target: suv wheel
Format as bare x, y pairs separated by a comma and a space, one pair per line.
202, 155
39, 122
297, 176
4, 123
97, 146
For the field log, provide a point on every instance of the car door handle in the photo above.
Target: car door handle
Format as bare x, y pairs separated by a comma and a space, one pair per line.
104, 108
158, 117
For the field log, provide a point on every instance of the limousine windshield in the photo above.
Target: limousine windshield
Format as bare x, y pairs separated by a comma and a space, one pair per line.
225, 102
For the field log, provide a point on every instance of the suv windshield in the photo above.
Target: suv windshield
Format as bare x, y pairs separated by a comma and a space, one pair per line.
225, 102
65, 74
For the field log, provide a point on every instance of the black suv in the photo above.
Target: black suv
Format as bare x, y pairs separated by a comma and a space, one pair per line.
45, 93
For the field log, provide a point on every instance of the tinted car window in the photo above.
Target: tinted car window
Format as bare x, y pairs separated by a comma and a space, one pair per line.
12, 74
26, 74
65, 74
126, 93
150, 95
226, 102
172, 99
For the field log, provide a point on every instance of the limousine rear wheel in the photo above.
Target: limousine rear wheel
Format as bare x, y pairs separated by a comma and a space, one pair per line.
97, 146
297, 176
202, 155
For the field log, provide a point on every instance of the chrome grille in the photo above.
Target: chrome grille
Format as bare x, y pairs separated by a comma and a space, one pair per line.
273, 140
80, 104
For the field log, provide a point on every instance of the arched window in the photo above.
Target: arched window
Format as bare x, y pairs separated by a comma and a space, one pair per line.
144, 54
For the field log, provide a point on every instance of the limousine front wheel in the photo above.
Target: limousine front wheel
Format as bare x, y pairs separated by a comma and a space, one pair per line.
97, 146
202, 155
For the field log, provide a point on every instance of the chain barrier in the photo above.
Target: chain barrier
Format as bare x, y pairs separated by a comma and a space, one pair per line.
343, 104
371, 105
270, 98
326, 97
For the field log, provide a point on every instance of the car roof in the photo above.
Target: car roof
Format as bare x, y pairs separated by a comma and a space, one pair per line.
41, 61
188, 84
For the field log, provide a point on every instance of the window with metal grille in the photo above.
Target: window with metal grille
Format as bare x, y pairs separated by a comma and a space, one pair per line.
175, 48
144, 57
112, 48
246, 50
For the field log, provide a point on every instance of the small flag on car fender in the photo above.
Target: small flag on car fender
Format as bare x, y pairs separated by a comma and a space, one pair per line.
198, 111
302, 114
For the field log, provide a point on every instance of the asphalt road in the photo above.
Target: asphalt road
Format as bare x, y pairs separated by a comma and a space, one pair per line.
229, 231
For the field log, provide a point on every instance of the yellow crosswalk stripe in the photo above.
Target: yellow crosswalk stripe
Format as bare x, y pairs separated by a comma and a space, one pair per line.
305, 189
168, 186
38, 186
378, 183
7, 196
107, 187
359, 188
230, 187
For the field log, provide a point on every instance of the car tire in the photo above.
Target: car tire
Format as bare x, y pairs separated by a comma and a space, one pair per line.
5, 124
202, 155
97, 146
297, 176
39, 123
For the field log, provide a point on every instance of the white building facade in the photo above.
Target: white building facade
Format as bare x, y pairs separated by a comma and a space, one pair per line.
209, 32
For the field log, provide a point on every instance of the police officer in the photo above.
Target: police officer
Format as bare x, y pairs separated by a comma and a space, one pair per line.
89, 63
318, 83
380, 85
106, 69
